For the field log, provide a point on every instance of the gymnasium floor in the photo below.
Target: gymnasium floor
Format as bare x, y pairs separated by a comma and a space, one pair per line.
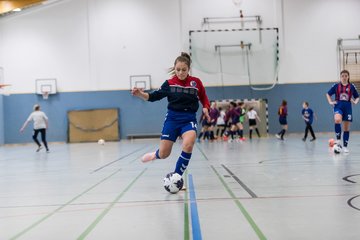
259, 189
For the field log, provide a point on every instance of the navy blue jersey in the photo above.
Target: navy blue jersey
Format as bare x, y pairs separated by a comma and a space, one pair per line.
308, 114
343, 93
182, 95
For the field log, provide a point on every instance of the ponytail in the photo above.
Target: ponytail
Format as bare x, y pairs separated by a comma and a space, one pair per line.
185, 58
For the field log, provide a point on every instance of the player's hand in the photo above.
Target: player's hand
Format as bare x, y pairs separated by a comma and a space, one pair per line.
21, 130
206, 114
333, 103
136, 91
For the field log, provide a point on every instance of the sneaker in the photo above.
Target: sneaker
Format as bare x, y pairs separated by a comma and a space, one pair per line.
304, 139
230, 140
47, 150
39, 148
277, 136
345, 150
313, 139
148, 157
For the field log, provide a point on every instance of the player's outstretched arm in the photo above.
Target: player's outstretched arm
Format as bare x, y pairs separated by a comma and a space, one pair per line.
24, 126
138, 92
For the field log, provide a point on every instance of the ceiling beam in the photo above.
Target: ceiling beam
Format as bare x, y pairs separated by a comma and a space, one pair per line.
8, 6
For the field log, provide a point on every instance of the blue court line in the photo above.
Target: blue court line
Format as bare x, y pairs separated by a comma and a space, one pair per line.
195, 223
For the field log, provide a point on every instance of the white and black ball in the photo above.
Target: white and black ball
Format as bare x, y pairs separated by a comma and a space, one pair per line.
337, 148
173, 182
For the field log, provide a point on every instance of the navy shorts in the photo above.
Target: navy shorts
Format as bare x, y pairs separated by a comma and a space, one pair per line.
235, 120
282, 120
205, 123
344, 108
177, 123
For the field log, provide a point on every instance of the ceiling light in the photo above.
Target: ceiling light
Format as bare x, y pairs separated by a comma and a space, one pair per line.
16, 10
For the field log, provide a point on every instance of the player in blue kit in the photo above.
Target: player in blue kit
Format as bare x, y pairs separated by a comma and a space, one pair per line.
345, 94
183, 93
308, 116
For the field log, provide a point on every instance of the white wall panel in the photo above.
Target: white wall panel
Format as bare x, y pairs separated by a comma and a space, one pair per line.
98, 44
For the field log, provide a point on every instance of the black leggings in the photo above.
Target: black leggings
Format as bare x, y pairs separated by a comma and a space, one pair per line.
222, 128
42, 131
307, 129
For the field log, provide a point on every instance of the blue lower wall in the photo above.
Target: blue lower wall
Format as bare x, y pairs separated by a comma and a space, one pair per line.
295, 95
137, 116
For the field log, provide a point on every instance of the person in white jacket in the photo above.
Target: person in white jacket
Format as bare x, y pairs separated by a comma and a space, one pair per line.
40, 125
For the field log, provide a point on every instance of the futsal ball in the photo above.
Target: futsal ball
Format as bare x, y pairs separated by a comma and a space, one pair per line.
331, 142
337, 148
173, 182
101, 142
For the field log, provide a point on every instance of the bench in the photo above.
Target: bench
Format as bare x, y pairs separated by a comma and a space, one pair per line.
143, 135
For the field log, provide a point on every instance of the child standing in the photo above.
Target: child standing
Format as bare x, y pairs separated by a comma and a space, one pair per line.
308, 115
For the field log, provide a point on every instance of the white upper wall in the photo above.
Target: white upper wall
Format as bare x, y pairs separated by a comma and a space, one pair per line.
91, 45
98, 44
50, 42
311, 30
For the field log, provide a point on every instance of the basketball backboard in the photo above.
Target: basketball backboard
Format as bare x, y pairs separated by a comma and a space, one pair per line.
45, 85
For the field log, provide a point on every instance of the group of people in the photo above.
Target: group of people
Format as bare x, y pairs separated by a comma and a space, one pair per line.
307, 114
228, 122
184, 93
346, 94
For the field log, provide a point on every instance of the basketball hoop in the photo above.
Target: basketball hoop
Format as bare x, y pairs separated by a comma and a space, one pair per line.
45, 95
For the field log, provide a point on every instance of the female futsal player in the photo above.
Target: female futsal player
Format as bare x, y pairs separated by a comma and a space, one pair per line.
282, 120
345, 94
253, 116
183, 93
233, 116
240, 125
40, 125
214, 114
220, 123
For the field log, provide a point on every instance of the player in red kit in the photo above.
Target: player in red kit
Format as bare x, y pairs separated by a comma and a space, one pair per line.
183, 93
